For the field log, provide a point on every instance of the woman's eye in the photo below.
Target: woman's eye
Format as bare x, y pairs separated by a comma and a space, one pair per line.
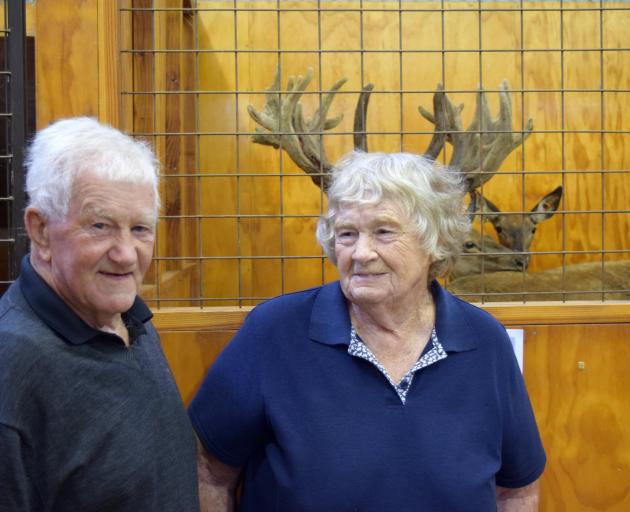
385, 234
469, 245
346, 235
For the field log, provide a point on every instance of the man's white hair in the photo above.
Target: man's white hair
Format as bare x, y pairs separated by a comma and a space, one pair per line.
69, 147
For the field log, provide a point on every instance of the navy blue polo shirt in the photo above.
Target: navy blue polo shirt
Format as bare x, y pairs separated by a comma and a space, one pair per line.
317, 429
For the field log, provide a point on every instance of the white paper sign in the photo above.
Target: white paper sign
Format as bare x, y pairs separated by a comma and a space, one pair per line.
516, 337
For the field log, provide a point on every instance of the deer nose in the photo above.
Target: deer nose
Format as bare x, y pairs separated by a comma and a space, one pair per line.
521, 262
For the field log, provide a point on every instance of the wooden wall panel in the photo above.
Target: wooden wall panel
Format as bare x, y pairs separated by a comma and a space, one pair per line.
66, 67
577, 378
190, 354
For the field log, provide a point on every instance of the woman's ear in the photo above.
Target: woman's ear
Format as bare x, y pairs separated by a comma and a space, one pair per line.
37, 226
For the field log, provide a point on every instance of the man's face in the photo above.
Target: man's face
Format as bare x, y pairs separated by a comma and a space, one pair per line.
99, 253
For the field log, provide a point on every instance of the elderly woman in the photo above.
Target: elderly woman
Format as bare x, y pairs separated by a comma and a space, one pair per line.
380, 391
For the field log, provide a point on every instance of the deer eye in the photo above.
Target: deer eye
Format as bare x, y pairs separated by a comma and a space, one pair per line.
498, 229
533, 230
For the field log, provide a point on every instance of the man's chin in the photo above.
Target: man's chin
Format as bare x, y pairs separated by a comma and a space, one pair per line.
119, 304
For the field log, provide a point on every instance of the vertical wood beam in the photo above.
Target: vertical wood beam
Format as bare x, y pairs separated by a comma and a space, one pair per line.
109, 83
77, 44
65, 58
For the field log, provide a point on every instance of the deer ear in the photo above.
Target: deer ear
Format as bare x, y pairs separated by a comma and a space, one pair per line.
547, 206
488, 208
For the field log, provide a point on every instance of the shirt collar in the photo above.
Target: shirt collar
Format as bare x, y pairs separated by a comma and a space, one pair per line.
451, 321
330, 320
57, 315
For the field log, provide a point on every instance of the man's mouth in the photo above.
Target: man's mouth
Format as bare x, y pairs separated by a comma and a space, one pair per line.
116, 275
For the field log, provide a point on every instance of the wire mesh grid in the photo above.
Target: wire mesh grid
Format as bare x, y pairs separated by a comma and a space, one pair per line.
16, 90
6, 199
238, 220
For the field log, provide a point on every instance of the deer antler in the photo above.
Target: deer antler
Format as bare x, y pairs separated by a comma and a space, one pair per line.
360, 118
479, 151
283, 125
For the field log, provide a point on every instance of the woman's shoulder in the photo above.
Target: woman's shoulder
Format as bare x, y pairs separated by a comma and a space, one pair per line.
473, 317
296, 300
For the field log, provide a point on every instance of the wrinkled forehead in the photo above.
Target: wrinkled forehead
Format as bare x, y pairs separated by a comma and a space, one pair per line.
384, 210
92, 194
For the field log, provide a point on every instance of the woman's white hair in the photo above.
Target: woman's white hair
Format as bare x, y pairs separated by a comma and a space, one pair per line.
69, 147
430, 194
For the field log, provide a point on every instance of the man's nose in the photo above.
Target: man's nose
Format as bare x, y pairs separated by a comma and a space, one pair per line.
123, 250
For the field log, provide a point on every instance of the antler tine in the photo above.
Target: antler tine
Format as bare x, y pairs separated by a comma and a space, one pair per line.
282, 125
440, 120
481, 149
360, 118
500, 142
311, 132
505, 117
448, 125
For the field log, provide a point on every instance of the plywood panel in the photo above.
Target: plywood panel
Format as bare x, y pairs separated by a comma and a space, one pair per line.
577, 380
66, 70
190, 354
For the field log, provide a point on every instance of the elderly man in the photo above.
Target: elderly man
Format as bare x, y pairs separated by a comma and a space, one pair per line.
90, 417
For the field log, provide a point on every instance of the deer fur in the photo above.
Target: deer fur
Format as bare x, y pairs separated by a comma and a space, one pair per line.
574, 280
485, 254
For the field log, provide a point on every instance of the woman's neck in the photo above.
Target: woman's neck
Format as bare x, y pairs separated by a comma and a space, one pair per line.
397, 320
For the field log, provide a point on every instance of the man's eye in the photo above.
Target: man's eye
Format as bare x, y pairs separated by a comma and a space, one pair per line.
99, 225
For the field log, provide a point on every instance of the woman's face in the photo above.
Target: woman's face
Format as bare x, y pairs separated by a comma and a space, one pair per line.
379, 257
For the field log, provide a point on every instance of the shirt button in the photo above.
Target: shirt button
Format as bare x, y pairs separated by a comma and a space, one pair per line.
404, 384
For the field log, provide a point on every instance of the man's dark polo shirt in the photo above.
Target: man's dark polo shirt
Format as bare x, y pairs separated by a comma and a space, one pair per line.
86, 423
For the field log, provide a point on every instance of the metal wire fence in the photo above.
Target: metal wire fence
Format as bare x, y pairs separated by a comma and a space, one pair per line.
238, 222
16, 102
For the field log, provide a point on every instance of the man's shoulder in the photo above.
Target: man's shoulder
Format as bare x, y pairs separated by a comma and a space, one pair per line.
15, 313
23, 335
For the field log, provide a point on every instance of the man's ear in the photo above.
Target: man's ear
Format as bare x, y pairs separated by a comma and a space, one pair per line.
37, 226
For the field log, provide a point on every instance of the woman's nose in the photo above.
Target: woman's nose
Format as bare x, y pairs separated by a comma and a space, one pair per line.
364, 247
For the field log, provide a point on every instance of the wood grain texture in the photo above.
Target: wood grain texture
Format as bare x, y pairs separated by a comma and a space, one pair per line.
577, 377
109, 97
509, 314
190, 354
67, 73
